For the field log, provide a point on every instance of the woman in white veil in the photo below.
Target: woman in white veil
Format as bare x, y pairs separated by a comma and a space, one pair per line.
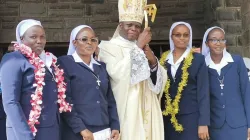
185, 103
229, 89
94, 114
33, 86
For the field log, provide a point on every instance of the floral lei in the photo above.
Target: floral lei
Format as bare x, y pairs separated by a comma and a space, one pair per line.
36, 98
172, 108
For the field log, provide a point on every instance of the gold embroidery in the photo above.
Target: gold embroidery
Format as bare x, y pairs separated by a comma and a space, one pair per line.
131, 17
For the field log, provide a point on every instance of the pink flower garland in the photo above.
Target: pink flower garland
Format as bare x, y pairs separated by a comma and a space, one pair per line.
36, 98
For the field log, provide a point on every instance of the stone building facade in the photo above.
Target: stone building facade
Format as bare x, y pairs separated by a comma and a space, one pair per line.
59, 17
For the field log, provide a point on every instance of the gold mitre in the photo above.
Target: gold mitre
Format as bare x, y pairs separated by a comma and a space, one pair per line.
131, 10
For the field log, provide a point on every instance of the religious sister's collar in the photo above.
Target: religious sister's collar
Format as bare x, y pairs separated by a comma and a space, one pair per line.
184, 55
78, 59
227, 58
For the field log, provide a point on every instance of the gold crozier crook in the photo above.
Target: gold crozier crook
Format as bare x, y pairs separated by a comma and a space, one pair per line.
150, 10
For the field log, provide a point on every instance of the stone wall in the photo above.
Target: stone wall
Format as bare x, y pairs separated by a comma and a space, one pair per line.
226, 14
57, 16
60, 16
246, 27
170, 11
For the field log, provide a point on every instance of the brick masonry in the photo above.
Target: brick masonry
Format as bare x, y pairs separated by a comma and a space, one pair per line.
59, 17
245, 27
227, 14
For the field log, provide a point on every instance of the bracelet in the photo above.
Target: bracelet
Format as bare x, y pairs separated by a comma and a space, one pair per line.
153, 66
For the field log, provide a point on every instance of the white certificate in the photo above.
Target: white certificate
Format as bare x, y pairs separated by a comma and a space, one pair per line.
103, 134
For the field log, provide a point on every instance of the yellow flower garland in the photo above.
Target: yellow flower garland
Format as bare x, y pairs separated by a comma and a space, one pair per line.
172, 108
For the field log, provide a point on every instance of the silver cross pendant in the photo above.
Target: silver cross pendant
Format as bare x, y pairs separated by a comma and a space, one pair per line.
221, 86
98, 82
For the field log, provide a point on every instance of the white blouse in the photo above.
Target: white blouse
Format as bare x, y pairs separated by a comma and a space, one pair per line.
92, 61
175, 66
224, 61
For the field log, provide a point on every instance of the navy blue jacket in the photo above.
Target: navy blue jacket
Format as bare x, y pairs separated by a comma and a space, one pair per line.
17, 79
93, 105
195, 96
232, 103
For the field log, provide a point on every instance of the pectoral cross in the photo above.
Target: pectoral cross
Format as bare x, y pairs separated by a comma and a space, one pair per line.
98, 82
221, 86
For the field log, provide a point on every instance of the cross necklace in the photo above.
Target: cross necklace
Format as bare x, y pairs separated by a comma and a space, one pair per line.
97, 79
221, 82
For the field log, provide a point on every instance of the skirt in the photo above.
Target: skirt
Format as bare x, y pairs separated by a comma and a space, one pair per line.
68, 134
228, 133
189, 123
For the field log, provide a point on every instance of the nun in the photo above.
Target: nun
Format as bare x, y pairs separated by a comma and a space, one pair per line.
94, 113
32, 90
185, 102
229, 89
